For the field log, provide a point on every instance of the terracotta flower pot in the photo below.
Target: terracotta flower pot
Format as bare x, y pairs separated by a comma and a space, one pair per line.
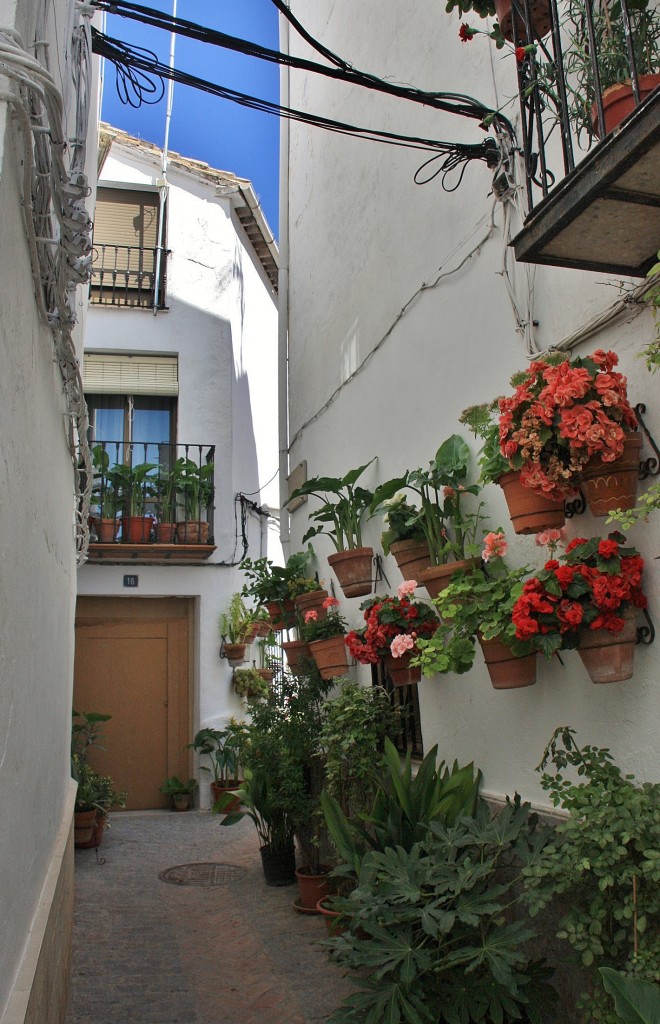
192, 532
438, 577
619, 101
331, 918
235, 653
136, 529
411, 556
282, 614
267, 674
609, 657
505, 670
353, 570
83, 826
97, 833
165, 533
539, 12
399, 670
312, 601
106, 529
610, 485
312, 885
218, 790
330, 656
297, 653
530, 512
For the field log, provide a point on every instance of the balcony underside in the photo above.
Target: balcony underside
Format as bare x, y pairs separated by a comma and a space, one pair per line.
605, 215
154, 553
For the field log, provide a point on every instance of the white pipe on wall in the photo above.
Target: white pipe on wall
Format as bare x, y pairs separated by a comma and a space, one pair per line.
283, 297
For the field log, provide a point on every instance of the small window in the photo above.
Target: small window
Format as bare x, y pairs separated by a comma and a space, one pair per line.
126, 249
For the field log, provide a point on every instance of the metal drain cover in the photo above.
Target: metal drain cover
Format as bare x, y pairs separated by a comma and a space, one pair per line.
205, 874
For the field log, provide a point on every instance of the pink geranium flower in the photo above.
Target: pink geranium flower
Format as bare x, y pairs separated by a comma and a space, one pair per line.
406, 588
402, 643
311, 616
330, 602
495, 546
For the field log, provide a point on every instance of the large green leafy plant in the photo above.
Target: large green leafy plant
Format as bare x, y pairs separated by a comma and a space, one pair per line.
605, 864
437, 931
342, 510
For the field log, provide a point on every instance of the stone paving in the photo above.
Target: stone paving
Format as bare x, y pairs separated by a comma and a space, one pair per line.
149, 952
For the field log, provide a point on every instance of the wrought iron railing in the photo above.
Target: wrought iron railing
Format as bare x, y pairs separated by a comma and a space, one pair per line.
564, 74
170, 487
125, 275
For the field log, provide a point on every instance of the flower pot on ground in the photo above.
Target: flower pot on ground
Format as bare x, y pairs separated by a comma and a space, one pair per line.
340, 516
393, 627
613, 485
609, 656
83, 826
353, 570
279, 866
220, 791
298, 655
223, 749
313, 885
96, 837
530, 512
506, 671
180, 794
326, 637
331, 917
96, 794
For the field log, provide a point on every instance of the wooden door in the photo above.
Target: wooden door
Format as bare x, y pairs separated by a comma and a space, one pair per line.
132, 662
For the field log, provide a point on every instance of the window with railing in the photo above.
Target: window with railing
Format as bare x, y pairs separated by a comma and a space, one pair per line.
128, 266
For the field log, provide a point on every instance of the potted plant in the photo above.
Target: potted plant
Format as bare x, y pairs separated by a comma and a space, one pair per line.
194, 488
223, 748
569, 421
166, 497
504, 26
340, 517
106, 496
260, 797
393, 627
477, 608
404, 535
179, 793
588, 603
234, 626
274, 586
248, 682
325, 637
613, 883
137, 486
308, 595
267, 656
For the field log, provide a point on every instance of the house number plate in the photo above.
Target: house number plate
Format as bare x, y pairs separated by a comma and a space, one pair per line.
130, 581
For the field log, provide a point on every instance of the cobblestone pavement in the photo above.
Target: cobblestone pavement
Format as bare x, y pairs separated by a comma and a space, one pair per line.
149, 952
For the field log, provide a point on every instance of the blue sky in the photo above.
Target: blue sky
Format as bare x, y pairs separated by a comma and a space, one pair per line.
228, 136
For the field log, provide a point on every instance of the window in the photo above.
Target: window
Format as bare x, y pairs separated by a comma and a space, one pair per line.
125, 262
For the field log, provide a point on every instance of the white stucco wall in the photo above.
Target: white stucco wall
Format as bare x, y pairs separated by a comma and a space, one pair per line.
37, 551
364, 239
221, 322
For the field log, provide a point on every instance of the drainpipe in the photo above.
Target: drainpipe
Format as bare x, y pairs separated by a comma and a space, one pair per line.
283, 297
163, 186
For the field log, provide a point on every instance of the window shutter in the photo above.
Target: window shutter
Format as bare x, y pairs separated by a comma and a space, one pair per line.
126, 217
130, 375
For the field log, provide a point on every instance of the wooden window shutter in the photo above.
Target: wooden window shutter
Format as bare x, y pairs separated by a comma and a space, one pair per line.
130, 375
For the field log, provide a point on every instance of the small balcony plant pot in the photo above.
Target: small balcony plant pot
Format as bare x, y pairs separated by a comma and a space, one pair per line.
192, 532
619, 101
106, 529
235, 654
530, 512
297, 653
83, 826
137, 529
165, 533
282, 614
312, 601
353, 570
609, 657
330, 656
313, 885
539, 12
400, 671
279, 866
610, 485
267, 674
411, 556
438, 577
505, 670
219, 789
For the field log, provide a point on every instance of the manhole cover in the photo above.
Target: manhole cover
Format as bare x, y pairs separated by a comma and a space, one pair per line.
202, 874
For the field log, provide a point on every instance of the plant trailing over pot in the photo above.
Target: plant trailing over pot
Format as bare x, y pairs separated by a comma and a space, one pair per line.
442, 927
234, 626
598, 583
603, 863
325, 636
563, 414
393, 627
249, 683
179, 793
478, 608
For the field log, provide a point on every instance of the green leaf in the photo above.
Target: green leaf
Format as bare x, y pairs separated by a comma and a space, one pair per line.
636, 1001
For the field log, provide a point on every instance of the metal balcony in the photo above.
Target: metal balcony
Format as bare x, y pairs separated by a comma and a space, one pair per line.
125, 275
